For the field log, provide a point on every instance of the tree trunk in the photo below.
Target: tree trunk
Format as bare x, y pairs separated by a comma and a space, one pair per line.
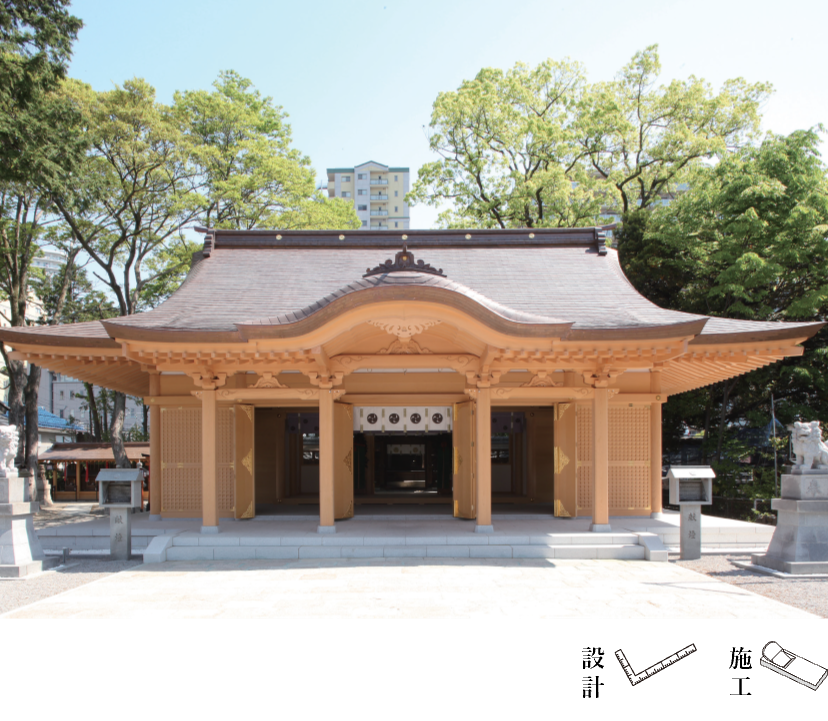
728, 387
104, 410
17, 412
32, 429
708, 412
116, 430
94, 416
145, 410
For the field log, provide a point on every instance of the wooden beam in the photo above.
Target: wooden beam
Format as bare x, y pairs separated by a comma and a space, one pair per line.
267, 394
542, 394
404, 399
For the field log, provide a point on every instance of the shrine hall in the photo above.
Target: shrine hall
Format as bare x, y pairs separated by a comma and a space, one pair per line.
452, 368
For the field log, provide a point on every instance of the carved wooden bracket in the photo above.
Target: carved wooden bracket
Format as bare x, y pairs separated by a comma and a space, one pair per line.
601, 378
325, 381
208, 380
483, 380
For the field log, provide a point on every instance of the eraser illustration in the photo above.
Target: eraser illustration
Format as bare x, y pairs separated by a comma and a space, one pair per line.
636, 678
788, 664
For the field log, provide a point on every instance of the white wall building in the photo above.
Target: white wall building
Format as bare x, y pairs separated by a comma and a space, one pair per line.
377, 192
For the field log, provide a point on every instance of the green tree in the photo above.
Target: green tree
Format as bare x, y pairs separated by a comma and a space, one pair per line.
39, 147
510, 152
249, 173
129, 200
541, 147
36, 39
642, 137
747, 240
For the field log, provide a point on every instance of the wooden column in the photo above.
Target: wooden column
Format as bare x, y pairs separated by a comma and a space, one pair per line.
600, 461
326, 462
155, 449
655, 447
77, 480
209, 462
483, 460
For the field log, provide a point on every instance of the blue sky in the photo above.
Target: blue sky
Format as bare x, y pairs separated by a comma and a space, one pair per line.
358, 78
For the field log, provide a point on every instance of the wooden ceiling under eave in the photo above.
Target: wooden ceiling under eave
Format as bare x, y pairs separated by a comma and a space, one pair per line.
704, 365
103, 367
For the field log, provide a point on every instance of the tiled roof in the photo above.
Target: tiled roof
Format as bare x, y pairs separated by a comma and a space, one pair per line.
560, 282
45, 419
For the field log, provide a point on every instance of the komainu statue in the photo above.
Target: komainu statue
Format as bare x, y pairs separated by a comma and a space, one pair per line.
8, 449
808, 446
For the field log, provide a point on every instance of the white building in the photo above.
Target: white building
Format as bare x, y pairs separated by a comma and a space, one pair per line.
377, 192
50, 262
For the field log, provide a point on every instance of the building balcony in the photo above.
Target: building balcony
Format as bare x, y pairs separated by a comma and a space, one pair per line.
379, 226
377, 181
379, 197
379, 212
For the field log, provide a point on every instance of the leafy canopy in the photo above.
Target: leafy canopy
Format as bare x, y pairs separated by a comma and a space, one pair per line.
134, 190
541, 147
37, 142
249, 174
748, 239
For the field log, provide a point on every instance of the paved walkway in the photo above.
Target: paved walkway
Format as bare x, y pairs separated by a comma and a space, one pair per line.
409, 588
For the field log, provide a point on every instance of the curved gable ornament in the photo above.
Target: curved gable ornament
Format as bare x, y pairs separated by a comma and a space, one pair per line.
404, 261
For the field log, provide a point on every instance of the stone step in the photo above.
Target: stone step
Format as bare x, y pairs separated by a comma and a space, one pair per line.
216, 553
469, 539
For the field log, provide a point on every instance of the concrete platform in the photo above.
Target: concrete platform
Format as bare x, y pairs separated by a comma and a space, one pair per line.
407, 535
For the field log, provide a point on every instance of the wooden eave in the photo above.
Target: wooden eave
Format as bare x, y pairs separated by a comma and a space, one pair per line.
107, 367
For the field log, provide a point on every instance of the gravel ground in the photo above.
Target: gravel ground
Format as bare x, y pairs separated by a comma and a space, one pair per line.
17, 592
808, 594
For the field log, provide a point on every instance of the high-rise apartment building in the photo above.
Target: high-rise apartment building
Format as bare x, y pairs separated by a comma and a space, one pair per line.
377, 191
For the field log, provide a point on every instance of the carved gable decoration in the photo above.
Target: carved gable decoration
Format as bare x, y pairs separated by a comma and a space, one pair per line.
541, 380
404, 261
405, 346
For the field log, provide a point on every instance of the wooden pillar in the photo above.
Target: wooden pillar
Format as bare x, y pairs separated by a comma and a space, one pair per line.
655, 446
155, 448
483, 460
326, 462
209, 463
600, 461
77, 480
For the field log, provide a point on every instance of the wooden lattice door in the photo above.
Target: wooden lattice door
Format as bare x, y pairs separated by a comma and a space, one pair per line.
463, 480
245, 505
343, 461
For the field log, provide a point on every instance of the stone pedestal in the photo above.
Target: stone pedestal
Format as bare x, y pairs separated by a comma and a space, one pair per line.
800, 541
20, 551
690, 531
120, 534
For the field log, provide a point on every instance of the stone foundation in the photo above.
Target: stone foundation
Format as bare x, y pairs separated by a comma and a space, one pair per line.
800, 541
